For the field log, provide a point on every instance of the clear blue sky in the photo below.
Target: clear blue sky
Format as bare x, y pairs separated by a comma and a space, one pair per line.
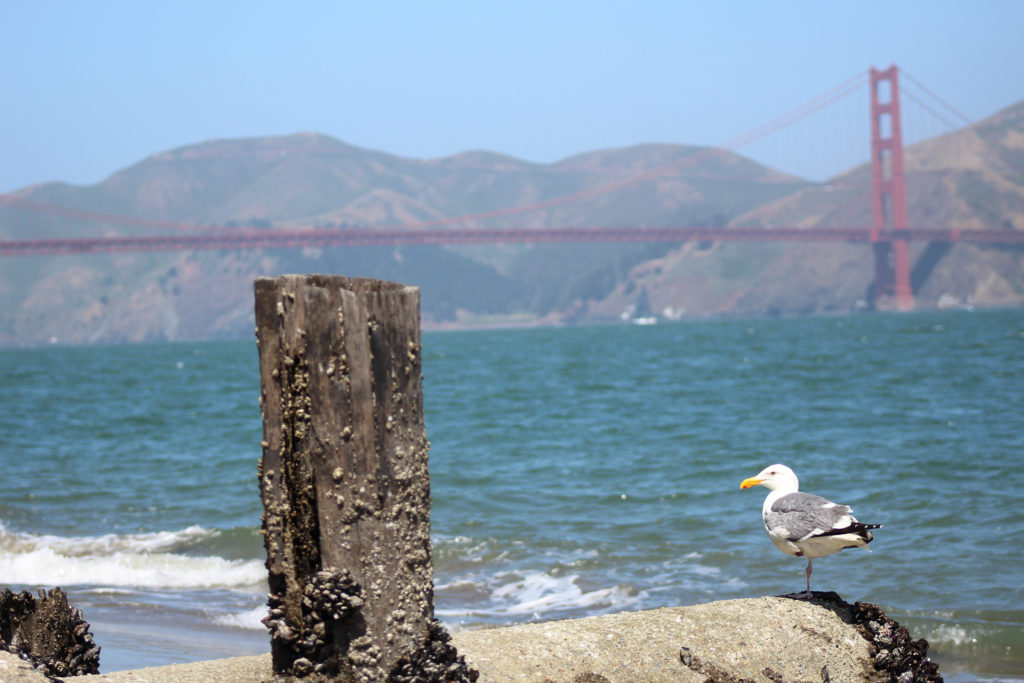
87, 88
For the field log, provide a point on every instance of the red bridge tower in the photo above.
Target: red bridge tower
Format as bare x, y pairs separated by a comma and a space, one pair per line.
889, 191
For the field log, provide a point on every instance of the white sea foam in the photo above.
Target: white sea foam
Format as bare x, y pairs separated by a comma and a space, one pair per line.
704, 570
78, 546
953, 634
250, 619
539, 593
121, 560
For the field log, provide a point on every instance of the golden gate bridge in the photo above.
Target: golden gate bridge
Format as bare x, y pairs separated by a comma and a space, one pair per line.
889, 233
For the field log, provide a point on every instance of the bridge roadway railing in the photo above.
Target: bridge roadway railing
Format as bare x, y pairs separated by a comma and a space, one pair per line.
250, 238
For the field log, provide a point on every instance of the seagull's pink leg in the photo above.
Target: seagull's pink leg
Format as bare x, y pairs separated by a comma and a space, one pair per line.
803, 596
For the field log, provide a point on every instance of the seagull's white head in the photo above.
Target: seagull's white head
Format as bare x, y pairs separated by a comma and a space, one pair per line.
774, 478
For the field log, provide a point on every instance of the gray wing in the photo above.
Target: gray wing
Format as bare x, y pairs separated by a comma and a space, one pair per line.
803, 515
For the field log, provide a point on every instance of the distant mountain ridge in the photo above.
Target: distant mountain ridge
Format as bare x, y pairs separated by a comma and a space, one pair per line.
313, 179
969, 178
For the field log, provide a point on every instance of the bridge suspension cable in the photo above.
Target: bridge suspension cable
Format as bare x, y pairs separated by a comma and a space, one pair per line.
966, 120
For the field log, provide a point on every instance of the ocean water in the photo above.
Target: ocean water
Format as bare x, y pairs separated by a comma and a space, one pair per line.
575, 471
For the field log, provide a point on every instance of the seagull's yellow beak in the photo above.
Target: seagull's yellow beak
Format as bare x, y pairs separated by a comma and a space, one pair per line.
752, 481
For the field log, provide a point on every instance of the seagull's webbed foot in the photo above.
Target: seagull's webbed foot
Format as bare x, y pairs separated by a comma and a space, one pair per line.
798, 596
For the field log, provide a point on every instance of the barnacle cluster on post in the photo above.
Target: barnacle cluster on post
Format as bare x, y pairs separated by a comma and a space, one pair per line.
331, 600
436, 661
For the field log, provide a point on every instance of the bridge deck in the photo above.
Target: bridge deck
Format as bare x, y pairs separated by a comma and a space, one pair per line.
249, 238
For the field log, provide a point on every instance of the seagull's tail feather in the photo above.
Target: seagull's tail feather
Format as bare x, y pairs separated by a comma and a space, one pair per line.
857, 529
863, 530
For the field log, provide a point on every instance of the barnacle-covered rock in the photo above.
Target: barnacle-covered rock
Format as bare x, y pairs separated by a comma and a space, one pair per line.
48, 632
896, 654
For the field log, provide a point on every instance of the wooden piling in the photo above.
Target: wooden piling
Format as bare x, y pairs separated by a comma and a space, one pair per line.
343, 477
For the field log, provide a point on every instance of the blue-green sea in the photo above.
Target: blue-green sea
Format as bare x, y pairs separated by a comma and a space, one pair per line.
575, 471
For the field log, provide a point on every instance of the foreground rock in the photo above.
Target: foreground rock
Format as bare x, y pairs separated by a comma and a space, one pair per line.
14, 669
763, 639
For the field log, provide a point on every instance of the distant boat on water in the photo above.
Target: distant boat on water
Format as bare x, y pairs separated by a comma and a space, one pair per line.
642, 313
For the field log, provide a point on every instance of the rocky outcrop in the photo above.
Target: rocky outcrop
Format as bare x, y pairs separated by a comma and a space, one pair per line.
763, 639
767, 640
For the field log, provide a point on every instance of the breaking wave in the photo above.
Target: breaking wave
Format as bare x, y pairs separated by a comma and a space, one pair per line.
144, 560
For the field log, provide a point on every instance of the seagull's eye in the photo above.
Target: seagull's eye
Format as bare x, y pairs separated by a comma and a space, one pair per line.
772, 473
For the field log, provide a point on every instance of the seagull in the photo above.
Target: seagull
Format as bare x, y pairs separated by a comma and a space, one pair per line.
805, 525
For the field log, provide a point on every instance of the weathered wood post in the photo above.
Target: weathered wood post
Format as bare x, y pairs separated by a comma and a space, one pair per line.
344, 478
